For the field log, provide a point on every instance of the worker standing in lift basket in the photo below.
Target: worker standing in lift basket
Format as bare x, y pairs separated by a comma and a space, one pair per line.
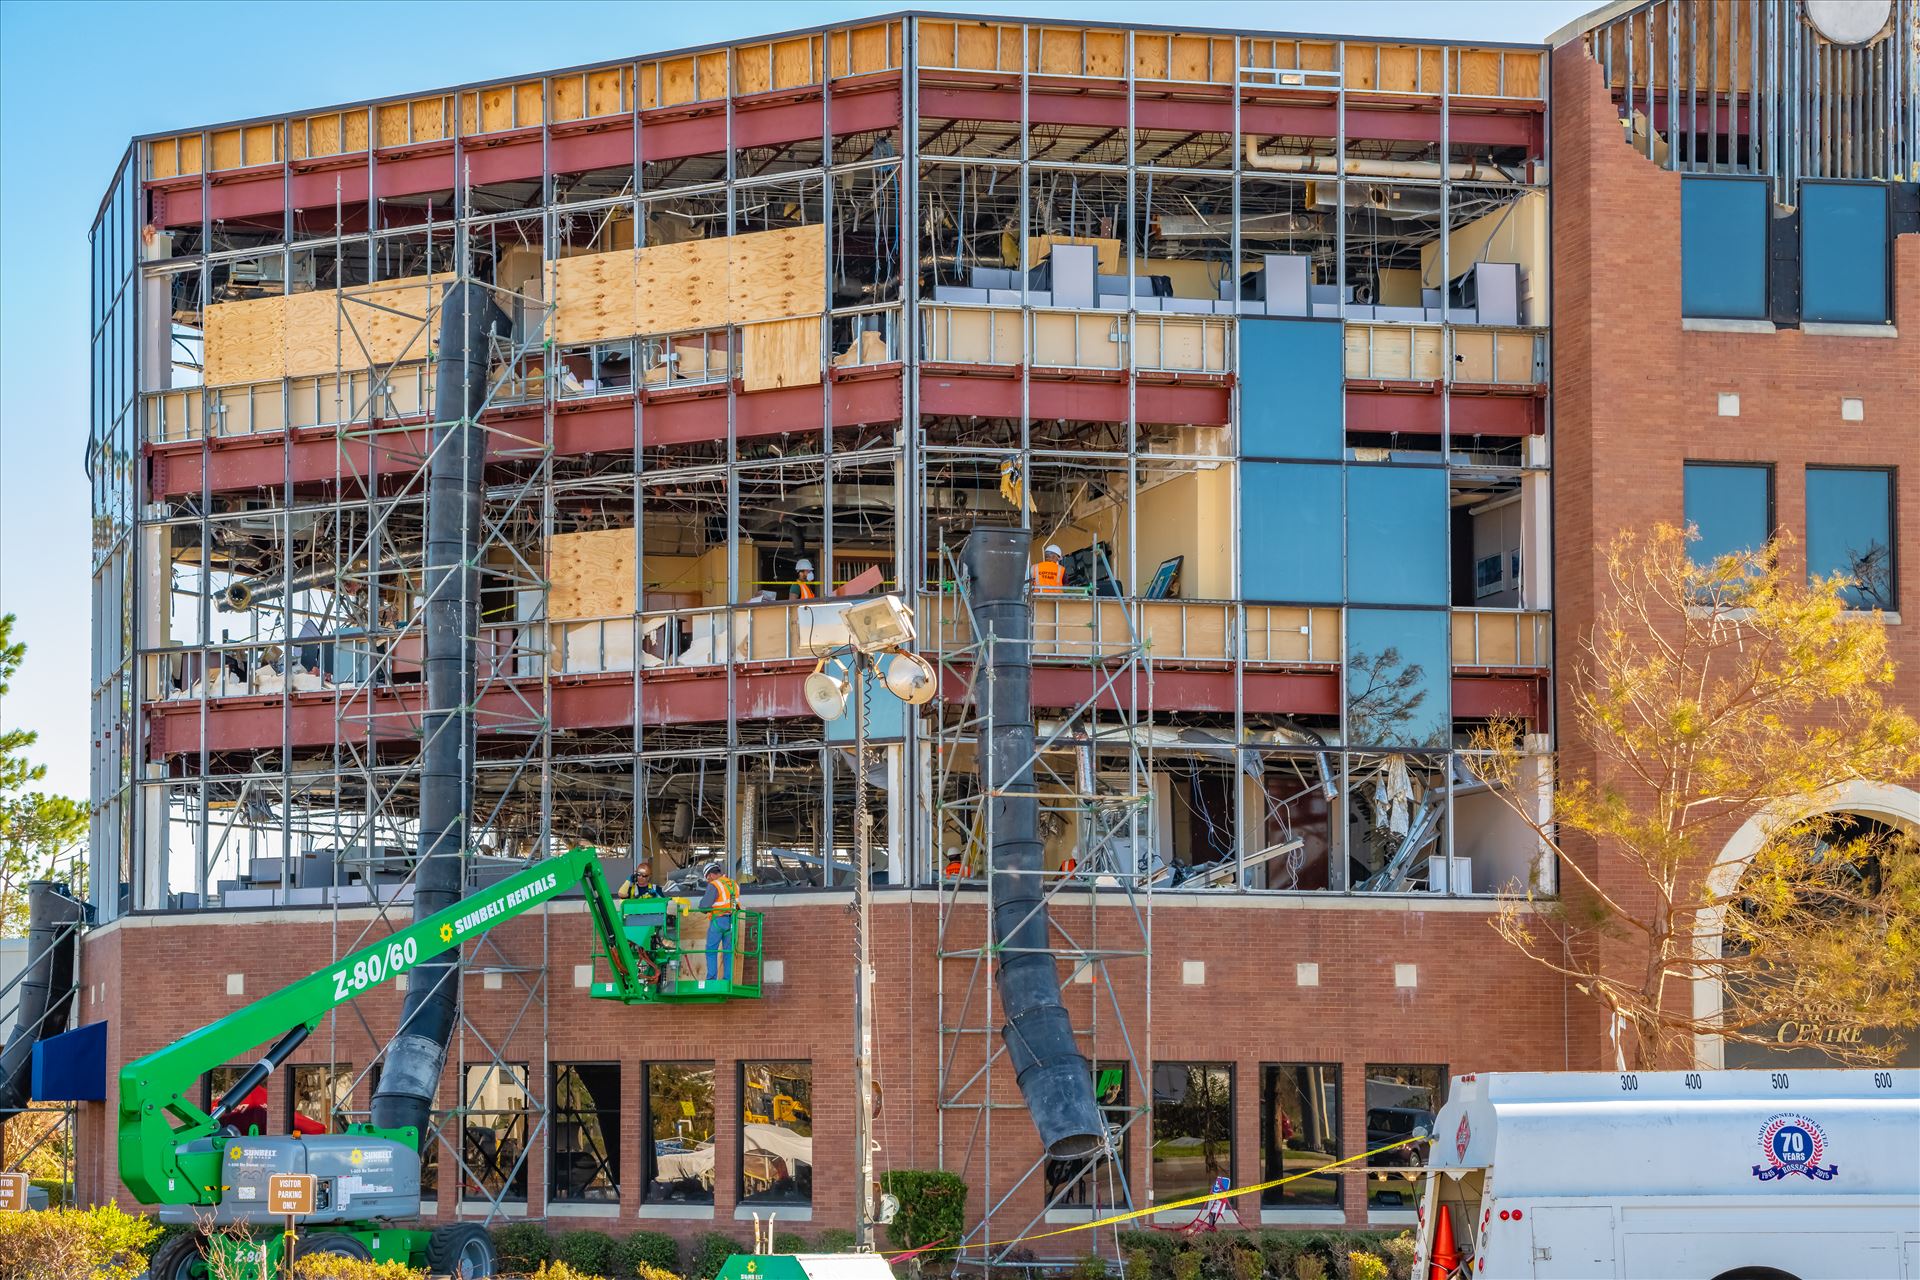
719, 901
1050, 576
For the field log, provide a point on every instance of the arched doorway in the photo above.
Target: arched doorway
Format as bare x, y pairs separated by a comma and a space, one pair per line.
1894, 807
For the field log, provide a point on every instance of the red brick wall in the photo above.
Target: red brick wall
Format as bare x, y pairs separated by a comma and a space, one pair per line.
1477, 1007
1636, 394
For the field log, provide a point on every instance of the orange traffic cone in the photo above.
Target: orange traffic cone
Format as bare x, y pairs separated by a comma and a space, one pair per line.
1445, 1257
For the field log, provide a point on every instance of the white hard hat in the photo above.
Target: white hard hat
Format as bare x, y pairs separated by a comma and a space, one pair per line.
803, 564
1053, 550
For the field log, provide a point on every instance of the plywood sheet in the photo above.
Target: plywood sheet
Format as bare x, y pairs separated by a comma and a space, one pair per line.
1184, 344
393, 125
312, 339
1478, 72
226, 149
1069, 338
964, 335
772, 275
609, 92
392, 322
781, 353
681, 286
591, 574
594, 297
245, 341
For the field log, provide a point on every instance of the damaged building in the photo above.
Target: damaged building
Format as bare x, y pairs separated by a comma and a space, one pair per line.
1315, 364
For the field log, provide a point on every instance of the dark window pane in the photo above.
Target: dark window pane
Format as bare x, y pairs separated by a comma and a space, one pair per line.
1723, 248
494, 1135
1192, 1127
1401, 1097
1299, 1130
1399, 685
679, 1150
776, 1133
1396, 535
1100, 1181
586, 1132
1292, 388
1843, 252
1290, 539
1850, 532
1731, 507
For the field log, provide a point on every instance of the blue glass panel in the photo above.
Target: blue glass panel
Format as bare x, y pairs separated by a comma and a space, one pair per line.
1843, 252
1399, 684
1292, 388
1850, 532
1723, 248
1290, 544
1397, 535
1730, 508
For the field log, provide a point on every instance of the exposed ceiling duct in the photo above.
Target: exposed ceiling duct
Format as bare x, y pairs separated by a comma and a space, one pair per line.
1358, 167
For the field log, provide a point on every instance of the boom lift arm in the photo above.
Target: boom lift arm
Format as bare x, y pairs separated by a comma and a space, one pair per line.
167, 1155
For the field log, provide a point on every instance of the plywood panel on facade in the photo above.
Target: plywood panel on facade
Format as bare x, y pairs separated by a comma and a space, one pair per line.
245, 341
609, 92
1187, 344
591, 574
226, 149
313, 339
594, 297
393, 125
682, 286
966, 335
772, 275
390, 323
780, 353
864, 50
1478, 72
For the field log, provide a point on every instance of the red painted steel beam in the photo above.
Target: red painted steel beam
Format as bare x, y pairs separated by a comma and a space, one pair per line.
1416, 408
958, 392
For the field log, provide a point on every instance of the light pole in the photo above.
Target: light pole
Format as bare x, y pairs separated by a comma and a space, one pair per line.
881, 626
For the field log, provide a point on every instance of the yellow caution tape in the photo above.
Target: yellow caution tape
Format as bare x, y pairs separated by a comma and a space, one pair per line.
1131, 1214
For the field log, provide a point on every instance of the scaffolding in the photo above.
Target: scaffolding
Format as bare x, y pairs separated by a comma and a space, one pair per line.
1103, 888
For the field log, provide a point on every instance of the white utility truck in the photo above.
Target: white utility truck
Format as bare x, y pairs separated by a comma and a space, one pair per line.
1676, 1175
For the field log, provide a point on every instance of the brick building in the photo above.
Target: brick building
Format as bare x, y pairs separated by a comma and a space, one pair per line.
1322, 362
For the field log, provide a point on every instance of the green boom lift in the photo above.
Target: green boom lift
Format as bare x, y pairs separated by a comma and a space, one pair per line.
201, 1172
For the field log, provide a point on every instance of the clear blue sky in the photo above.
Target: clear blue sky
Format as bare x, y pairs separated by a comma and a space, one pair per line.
78, 80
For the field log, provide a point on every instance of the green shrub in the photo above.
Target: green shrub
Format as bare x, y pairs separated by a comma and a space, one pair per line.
101, 1243
1366, 1266
656, 1249
1309, 1266
933, 1207
1186, 1265
1246, 1263
1149, 1253
644, 1270
1090, 1266
835, 1240
522, 1246
709, 1252
585, 1250
791, 1242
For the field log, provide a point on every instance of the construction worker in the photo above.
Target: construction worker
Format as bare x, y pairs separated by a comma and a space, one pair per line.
640, 884
719, 901
803, 588
1050, 576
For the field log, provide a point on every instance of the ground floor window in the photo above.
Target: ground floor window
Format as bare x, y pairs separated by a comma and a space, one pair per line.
679, 1132
319, 1095
1299, 1132
776, 1133
586, 1132
1192, 1127
1097, 1180
1401, 1097
494, 1135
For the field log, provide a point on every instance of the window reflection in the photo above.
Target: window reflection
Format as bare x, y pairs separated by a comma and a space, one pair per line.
1730, 507
318, 1097
1401, 1098
776, 1133
1398, 681
1850, 533
1300, 1131
679, 1150
1192, 1127
1290, 532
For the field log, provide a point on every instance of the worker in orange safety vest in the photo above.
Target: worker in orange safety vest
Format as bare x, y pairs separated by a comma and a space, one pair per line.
1050, 576
719, 901
803, 585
